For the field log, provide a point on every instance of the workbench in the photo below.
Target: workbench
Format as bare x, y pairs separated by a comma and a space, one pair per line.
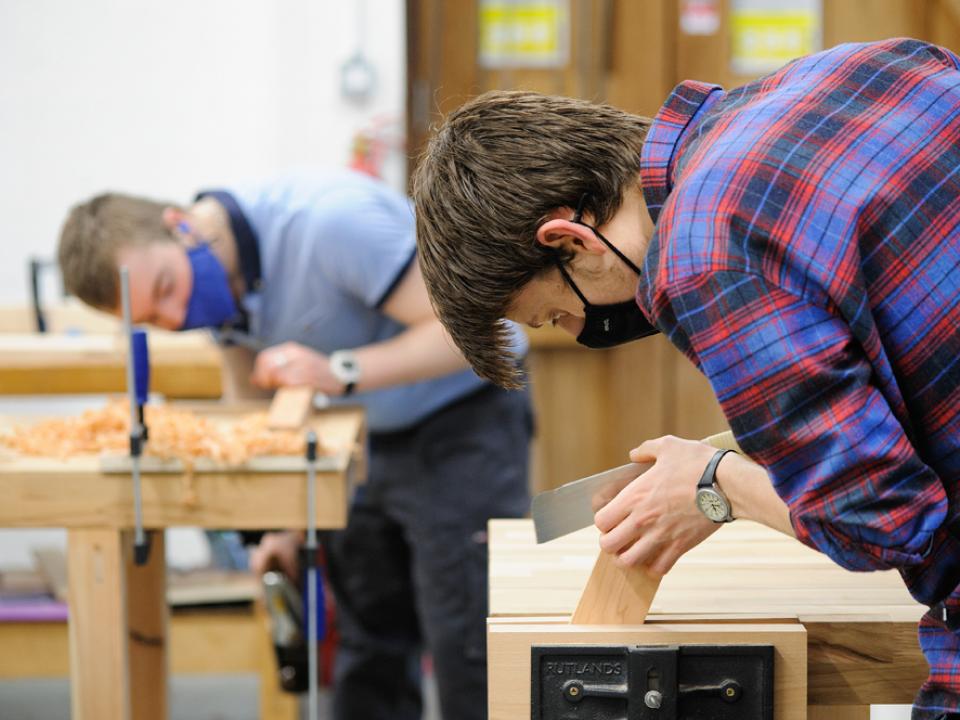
843, 640
118, 616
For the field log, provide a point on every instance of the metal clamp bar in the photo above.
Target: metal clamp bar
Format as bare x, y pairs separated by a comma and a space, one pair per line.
312, 640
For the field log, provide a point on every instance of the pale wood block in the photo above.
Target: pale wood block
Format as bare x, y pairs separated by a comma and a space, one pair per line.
290, 407
509, 643
615, 595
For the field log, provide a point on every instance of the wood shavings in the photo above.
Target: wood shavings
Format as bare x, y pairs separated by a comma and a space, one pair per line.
173, 434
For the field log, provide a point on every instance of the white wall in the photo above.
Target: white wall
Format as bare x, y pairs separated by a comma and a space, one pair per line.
161, 98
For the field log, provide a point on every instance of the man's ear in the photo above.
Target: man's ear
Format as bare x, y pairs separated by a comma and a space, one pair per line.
172, 217
569, 237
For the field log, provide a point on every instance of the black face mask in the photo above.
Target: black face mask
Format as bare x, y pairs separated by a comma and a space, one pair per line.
607, 325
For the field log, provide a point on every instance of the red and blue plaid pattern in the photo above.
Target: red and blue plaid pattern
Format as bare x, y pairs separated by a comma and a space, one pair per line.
807, 259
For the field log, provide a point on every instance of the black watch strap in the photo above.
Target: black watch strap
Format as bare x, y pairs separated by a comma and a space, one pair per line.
349, 388
709, 477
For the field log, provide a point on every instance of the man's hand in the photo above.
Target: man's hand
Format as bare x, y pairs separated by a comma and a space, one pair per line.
277, 551
293, 364
654, 520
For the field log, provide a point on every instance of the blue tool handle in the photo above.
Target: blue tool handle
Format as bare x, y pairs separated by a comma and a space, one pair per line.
309, 566
141, 364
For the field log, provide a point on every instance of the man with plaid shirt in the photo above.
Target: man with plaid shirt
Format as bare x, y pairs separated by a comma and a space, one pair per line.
798, 239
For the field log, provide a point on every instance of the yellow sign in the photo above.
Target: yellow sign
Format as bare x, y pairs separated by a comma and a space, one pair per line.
524, 34
767, 34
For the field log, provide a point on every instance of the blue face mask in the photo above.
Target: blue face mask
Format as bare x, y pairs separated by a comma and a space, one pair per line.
211, 303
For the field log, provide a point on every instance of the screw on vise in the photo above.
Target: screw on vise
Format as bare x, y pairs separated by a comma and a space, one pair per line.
729, 690
574, 690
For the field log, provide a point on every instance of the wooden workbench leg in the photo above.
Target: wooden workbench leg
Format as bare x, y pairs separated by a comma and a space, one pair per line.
838, 712
275, 702
148, 623
118, 627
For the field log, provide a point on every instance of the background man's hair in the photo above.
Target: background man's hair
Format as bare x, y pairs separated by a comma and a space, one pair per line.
93, 233
488, 178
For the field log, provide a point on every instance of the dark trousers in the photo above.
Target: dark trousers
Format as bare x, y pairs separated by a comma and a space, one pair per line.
409, 572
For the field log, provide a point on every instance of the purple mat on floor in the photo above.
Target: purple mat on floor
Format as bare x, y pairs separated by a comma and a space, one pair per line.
32, 608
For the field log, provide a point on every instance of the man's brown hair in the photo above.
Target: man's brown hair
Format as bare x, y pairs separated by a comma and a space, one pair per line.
93, 233
489, 177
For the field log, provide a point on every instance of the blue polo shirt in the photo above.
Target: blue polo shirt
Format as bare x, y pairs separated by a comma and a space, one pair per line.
321, 252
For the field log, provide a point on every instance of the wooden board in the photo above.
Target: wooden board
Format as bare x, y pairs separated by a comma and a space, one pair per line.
181, 364
51, 492
290, 407
509, 643
861, 627
615, 595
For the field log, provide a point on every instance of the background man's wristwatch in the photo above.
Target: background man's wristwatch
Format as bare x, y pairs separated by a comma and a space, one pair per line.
710, 498
346, 369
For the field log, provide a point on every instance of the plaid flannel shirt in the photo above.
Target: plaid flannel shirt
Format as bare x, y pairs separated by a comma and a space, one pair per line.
807, 259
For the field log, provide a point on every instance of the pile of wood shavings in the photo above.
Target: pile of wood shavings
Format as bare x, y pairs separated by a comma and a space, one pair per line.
174, 434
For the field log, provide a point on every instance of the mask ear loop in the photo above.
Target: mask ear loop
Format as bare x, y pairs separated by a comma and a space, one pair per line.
556, 255
577, 218
567, 278
187, 233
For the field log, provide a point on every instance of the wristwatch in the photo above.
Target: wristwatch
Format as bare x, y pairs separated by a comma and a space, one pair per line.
346, 369
710, 498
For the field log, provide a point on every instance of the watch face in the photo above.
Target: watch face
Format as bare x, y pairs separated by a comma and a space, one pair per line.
345, 367
712, 504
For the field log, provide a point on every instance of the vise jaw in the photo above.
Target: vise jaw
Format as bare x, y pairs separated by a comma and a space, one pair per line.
657, 682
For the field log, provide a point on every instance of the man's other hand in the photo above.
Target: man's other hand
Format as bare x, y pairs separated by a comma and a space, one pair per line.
277, 551
291, 363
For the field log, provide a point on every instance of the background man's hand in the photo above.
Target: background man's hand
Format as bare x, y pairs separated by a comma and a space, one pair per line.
277, 551
655, 519
293, 364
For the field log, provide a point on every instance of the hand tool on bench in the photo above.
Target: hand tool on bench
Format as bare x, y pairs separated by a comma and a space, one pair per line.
138, 386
